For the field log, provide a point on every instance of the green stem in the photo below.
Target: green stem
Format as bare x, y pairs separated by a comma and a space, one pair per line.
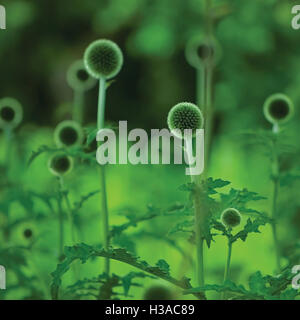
78, 106
275, 173
199, 222
101, 103
227, 267
100, 125
208, 113
61, 227
71, 218
69, 209
65, 197
199, 238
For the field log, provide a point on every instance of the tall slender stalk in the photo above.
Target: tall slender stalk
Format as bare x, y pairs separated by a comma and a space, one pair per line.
61, 227
275, 179
199, 236
199, 219
64, 196
227, 267
208, 111
69, 210
105, 215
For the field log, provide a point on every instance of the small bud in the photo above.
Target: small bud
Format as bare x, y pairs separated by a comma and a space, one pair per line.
231, 218
103, 59
60, 164
278, 108
68, 133
78, 78
185, 115
11, 113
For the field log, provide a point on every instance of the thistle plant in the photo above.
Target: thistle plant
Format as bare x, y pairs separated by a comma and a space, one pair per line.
60, 165
278, 110
230, 218
103, 60
68, 133
80, 81
183, 116
203, 54
11, 115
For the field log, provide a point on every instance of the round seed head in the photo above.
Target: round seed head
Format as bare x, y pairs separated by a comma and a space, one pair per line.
26, 232
278, 108
103, 59
68, 133
200, 52
158, 293
60, 164
185, 115
231, 218
11, 113
78, 78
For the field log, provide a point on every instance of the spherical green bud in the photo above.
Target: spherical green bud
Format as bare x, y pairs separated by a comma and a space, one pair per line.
78, 78
278, 108
185, 115
200, 52
60, 164
158, 293
103, 59
11, 113
68, 133
231, 218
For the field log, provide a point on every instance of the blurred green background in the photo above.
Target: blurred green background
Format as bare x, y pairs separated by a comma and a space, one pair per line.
260, 56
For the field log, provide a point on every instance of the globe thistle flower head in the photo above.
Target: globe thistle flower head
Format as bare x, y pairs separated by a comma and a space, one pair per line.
185, 115
201, 51
231, 218
278, 108
103, 59
78, 78
68, 133
60, 164
11, 113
